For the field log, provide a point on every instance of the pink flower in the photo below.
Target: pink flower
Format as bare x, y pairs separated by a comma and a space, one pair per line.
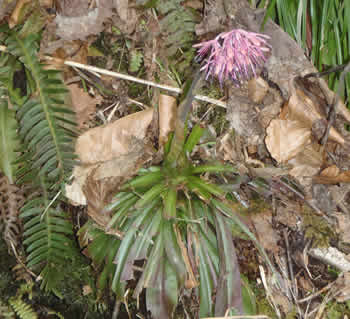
234, 55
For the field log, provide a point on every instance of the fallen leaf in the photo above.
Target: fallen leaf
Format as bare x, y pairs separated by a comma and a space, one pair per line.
288, 214
257, 89
266, 234
343, 288
109, 155
76, 22
87, 290
302, 108
343, 222
18, 14
307, 163
127, 15
104, 143
285, 139
332, 175
83, 104
167, 116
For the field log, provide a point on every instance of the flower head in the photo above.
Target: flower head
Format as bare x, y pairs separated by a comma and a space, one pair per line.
234, 55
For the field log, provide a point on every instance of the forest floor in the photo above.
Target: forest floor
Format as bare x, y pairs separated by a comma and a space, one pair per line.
293, 187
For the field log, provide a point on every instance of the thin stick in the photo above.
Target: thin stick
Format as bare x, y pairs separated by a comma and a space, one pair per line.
135, 79
129, 78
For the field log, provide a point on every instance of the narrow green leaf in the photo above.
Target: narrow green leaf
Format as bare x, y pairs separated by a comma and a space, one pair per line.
173, 252
169, 200
8, 141
127, 242
162, 293
236, 220
229, 294
206, 285
142, 181
213, 168
151, 194
209, 187
193, 138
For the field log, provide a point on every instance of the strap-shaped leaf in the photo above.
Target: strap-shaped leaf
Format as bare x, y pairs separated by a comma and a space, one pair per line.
173, 252
8, 140
128, 241
208, 279
162, 291
229, 294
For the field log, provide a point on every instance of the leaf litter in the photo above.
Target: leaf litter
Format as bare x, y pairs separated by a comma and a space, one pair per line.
274, 128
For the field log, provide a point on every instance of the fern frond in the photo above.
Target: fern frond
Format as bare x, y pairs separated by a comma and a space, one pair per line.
23, 310
6, 311
49, 246
177, 24
43, 123
135, 60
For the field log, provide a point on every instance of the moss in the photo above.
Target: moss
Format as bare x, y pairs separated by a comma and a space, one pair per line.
78, 293
263, 306
336, 310
316, 228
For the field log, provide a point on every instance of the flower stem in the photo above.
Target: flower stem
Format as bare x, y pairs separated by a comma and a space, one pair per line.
175, 157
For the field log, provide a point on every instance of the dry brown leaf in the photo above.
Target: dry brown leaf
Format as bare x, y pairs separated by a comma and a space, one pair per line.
167, 117
268, 172
6, 7
110, 155
332, 175
257, 89
301, 108
342, 288
115, 171
288, 214
194, 4
102, 144
305, 283
343, 228
83, 104
17, 15
78, 21
307, 163
127, 15
74, 192
330, 171
285, 139
266, 234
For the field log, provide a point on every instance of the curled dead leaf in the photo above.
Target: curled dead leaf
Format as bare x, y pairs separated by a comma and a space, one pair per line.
83, 104
302, 108
307, 163
112, 153
286, 138
267, 235
102, 144
332, 175
78, 22
257, 89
